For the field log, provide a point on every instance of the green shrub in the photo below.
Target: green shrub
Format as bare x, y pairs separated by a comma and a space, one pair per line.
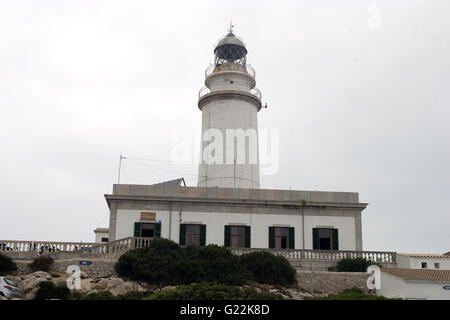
211, 291
164, 262
7, 265
106, 295
48, 290
354, 265
268, 268
42, 263
99, 295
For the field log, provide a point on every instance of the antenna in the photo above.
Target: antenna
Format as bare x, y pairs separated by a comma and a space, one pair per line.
120, 166
230, 29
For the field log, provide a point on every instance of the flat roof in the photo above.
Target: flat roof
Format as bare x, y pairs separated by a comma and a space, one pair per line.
295, 197
424, 255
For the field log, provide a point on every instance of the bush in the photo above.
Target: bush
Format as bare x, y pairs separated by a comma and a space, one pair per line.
164, 262
48, 290
7, 265
211, 291
99, 295
42, 263
354, 265
268, 268
106, 295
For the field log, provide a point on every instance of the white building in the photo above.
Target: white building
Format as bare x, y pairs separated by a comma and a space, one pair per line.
227, 207
423, 261
412, 284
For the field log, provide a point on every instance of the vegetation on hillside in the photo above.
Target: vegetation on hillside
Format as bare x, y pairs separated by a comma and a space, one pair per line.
354, 265
164, 262
7, 265
42, 263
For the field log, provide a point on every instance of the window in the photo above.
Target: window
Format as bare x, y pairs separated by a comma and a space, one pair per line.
104, 239
148, 230
424, 265
237, 236
325, 239
193, 234
437, 265
281, 238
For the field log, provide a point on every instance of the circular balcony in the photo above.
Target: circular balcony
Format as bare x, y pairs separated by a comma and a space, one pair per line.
248, 69
255, 92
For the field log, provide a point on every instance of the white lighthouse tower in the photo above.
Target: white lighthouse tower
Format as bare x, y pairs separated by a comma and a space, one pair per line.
229, 103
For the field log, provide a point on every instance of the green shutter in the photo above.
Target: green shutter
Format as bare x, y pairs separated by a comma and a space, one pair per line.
203, 234
291, 238
137, 229
182, 241
158, 230
247, 237
335, 239
271, 237
227, 240
315, 239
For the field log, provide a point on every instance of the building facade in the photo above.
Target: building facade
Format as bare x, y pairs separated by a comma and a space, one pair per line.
255, 218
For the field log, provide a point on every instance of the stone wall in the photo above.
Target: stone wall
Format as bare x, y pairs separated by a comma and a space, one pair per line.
98, 268
317, 282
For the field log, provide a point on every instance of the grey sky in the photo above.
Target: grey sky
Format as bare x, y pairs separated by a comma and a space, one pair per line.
358, 109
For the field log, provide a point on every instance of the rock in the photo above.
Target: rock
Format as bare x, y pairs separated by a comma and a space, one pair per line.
86, 286
168, 288
3, 298
83, 275
31, 281
100, 284
117, 286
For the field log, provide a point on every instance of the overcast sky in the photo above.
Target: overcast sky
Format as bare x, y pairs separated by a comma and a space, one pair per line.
359, 90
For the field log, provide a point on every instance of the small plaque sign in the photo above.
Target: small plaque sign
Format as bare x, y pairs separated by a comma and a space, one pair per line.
84, 262
148, 216
446, 287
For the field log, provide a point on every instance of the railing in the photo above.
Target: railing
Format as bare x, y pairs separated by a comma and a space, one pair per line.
204, 91
42, 246
78, 249
306, 254
231, 67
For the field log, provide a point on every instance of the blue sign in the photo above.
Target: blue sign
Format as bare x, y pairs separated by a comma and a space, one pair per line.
446, 287
82, 262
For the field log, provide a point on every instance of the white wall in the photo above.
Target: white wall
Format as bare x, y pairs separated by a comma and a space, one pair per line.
100, 235
416, 263
259, 223
394, 287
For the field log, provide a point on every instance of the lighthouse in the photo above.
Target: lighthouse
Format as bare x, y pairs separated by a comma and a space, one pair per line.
229, 103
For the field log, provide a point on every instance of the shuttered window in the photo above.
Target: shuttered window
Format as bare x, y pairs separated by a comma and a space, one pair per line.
237, 237
147, 230
192, 234
325, 239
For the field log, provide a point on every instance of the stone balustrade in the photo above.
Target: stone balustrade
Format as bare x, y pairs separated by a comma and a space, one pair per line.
68, 250
42, 246
305, 254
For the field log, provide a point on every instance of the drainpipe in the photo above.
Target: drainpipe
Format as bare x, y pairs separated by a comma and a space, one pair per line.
303, 223
170, 221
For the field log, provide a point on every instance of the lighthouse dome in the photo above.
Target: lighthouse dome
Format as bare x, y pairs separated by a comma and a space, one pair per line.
230, 49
